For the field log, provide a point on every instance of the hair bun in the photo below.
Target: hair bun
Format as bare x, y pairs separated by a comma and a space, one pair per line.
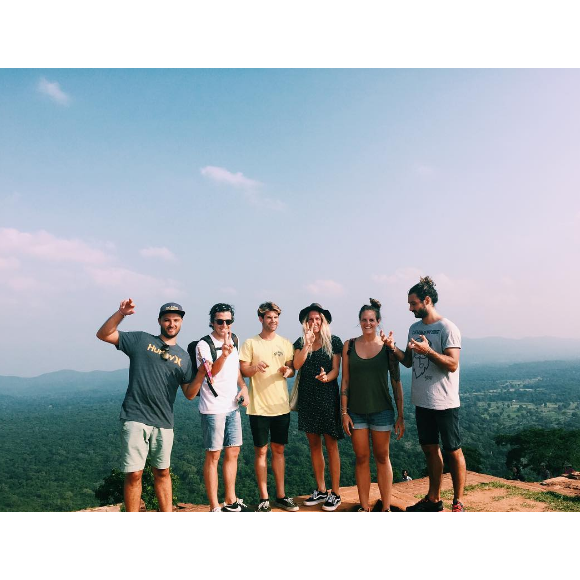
428, 281
375, 303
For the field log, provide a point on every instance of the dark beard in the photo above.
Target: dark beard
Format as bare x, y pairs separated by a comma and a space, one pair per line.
166, 335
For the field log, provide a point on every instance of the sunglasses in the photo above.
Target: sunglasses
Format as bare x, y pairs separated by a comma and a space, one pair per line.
221, 321
164, 352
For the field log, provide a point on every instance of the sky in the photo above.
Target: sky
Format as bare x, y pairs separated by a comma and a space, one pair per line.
296, 186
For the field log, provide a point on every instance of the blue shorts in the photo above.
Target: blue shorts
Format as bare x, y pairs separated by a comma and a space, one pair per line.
380, 421
221, 430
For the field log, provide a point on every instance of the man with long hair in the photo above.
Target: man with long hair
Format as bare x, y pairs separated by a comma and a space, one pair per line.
433, 348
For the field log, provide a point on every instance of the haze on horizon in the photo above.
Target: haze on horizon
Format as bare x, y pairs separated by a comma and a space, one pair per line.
295, 186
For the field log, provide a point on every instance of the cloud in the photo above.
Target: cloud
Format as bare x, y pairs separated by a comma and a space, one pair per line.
9, 263
325, 288
132, 282
23, 283
249, 187
401, 275
46, 247
456, 292
162, 253
53, 91
222, 175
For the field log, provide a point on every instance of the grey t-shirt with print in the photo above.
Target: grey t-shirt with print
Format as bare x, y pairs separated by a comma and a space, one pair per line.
431, 386
153, 381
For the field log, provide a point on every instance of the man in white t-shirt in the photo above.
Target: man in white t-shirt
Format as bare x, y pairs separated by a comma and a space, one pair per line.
221, 423
433, 348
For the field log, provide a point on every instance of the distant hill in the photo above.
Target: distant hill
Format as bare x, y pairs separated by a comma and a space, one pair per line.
64, 382
498, 350
494, 351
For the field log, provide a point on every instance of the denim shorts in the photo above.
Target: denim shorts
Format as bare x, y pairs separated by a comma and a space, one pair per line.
379, 421
221, 430
138, 440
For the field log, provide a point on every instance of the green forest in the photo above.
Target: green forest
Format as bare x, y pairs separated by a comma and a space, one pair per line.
59, 442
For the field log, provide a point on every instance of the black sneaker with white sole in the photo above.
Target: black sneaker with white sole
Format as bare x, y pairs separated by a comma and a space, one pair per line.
316, 498
332, 502
286, 503
264, 506
237, 506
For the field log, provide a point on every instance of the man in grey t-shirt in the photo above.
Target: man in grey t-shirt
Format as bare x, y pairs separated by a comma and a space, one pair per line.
433, 348
158, 367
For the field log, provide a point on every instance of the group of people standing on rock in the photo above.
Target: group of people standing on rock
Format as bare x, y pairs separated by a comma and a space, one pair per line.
362, 407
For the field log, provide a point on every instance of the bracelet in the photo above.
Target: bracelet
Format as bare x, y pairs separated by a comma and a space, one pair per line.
344, 413
123, 315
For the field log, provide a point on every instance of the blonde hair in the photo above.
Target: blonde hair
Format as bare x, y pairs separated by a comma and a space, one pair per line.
325, 335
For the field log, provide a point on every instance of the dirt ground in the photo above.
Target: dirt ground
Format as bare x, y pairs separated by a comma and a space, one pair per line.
407, 493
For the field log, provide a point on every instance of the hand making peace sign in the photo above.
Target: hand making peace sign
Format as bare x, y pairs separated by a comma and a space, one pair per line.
228, 345
309, 336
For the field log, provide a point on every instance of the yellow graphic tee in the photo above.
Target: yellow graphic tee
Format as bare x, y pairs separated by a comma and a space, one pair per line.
268, 391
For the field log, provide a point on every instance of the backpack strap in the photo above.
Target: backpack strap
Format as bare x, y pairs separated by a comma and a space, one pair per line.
207, 339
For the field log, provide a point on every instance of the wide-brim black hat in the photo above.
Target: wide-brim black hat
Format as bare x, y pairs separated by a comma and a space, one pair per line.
314, 306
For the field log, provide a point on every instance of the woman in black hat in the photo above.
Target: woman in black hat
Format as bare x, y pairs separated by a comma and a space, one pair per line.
317, 355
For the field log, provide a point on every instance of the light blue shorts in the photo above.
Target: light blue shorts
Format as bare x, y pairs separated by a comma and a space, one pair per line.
380, 421
138, 440
222, 430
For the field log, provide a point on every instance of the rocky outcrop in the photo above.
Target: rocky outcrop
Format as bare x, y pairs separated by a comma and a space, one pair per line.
484, 493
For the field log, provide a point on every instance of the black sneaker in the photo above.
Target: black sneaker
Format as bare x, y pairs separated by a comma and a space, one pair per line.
264, 506
316, 497
237, 506
426, 505
287, 503
332, 502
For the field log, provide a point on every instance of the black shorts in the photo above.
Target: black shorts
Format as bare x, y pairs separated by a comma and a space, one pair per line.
277, 427
432, 423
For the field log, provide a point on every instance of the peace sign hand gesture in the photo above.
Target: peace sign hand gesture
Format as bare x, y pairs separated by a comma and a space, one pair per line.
227, 346
309, 336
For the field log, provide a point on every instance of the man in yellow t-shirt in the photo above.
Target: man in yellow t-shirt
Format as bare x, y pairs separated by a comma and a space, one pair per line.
267, 360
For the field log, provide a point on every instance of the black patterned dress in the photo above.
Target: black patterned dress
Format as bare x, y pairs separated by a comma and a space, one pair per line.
319, 403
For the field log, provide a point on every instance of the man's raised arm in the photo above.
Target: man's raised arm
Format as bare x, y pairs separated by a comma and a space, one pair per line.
108, 332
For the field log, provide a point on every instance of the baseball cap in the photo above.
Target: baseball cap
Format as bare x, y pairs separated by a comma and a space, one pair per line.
171, 308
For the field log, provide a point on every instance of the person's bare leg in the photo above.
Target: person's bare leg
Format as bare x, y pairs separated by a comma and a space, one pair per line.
163, 491
261, 469
230, 470
333, 462
458, 471
278, 465
317, 458
362, 470
132, 490
435, 469
381, 440
210, 477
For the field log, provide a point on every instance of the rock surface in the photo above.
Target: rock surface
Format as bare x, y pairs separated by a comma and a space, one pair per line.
478, 499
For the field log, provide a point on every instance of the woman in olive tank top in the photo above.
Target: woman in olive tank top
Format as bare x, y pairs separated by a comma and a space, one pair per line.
367, 406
